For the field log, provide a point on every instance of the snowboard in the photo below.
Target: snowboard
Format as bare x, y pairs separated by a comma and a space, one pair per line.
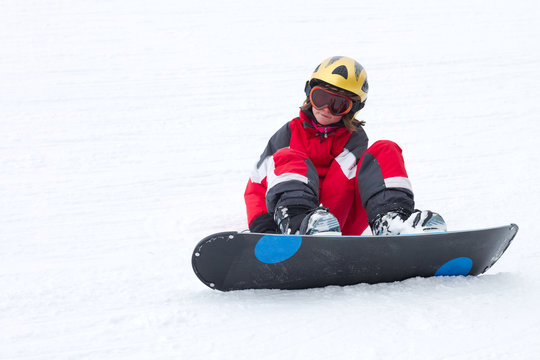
241, 260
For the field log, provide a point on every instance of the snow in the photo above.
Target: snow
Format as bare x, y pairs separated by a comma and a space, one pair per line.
129, 129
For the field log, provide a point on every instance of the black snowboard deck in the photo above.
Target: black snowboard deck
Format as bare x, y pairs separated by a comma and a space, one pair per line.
236, 261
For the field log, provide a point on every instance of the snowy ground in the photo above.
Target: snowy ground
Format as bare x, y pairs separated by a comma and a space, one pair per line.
129, 128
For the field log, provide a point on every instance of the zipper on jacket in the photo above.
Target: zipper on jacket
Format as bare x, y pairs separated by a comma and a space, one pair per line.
323, 135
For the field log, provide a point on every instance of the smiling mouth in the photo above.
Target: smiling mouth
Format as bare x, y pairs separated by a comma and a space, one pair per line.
326, 116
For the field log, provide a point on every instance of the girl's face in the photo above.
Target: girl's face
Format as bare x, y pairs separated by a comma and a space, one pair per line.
325, 117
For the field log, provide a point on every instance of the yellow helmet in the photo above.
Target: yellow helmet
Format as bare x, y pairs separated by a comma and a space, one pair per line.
342, 72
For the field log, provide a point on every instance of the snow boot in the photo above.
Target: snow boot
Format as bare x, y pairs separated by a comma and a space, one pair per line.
402, 222
302, 221
320, 222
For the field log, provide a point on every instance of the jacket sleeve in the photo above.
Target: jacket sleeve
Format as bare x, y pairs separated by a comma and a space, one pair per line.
255, 194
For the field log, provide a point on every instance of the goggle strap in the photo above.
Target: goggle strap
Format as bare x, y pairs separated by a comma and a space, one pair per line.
357, 106
307, 88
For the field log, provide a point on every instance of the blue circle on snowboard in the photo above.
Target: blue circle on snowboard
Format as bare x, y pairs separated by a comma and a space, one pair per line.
272, 249
455, 267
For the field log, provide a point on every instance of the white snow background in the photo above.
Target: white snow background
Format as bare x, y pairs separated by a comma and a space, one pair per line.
129, 129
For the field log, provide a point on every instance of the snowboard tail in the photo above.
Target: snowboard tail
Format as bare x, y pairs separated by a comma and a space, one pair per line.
235, 261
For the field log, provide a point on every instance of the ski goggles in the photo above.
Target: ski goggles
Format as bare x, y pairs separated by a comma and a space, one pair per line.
337, 104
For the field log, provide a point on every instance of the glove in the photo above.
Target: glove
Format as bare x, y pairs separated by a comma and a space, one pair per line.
290, 218
264, 223
295, 222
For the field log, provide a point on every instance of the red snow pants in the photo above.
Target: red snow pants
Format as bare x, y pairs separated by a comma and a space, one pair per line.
353, 192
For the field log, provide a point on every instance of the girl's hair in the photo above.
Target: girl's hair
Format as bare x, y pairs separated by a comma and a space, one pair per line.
350, 122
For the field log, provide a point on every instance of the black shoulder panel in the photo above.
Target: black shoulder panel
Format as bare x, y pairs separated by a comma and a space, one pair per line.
281, 139
358, 143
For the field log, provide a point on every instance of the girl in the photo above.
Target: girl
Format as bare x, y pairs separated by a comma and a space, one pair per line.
317, 173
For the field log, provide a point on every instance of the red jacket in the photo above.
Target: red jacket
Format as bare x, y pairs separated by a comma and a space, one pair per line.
334, 151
